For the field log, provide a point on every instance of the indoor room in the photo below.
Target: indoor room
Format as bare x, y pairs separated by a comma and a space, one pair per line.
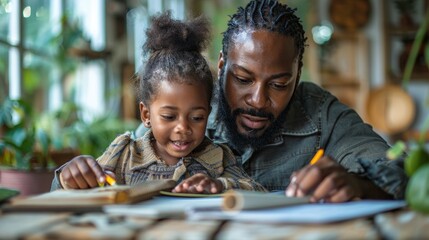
313, 102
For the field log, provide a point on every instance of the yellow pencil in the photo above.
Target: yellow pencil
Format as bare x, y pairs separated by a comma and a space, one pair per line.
317, 156
111, 181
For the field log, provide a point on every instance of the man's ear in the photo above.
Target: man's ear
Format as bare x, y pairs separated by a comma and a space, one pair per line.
220, 63
144, 114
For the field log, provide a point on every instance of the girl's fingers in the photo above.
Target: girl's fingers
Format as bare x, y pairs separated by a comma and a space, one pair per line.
87, 175
76, 176
82, 172
96, 169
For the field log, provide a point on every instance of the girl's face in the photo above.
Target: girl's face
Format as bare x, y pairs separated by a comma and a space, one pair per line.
178, 115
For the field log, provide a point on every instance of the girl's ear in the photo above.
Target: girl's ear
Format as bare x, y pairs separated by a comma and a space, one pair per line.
144, 114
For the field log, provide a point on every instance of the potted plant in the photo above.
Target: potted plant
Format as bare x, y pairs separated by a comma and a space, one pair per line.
417, 162
93, 137
32, 146
23, 149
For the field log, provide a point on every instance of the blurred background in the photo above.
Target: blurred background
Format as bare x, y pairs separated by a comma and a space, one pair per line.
71, 63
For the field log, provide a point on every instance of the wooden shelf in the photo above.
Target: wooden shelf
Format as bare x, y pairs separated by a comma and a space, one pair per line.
395, 46
89, 54
341, 82
397, 31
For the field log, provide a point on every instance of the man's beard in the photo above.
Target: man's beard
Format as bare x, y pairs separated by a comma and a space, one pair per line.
240, 141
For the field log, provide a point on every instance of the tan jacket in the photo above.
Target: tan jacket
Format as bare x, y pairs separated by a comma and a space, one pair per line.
134, 161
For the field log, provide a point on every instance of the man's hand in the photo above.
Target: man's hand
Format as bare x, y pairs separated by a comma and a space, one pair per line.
199, 183
326, 180
82, 172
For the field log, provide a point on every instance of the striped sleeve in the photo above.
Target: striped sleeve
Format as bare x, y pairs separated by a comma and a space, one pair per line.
113, 159
234, 176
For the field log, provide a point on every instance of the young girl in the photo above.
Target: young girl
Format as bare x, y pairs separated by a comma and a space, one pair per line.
175, 89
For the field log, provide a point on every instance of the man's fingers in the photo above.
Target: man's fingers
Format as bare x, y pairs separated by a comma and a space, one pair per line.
291, 189
329, 186
295, 182
309, 180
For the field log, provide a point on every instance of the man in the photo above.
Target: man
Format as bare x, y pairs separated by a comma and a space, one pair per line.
275, 124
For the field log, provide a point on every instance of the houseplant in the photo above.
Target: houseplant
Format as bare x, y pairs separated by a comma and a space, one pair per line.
417, 162
23, 149
32, 145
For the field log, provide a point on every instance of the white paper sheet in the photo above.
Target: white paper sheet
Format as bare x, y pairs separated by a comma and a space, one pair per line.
306, 213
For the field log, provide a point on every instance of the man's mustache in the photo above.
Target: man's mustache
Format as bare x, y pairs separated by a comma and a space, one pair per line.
253, 112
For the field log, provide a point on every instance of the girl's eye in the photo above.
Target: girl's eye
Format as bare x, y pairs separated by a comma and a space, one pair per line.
167, 117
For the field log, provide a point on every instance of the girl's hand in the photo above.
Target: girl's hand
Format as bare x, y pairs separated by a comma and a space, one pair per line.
199, 183
82, 172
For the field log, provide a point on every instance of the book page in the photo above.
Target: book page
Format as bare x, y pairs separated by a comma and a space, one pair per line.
94, 199
190, 195
95, 196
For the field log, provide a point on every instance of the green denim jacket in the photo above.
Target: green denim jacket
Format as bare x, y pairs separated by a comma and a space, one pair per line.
316, 119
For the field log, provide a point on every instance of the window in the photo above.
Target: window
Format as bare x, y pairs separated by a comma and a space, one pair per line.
36, 38
138, 21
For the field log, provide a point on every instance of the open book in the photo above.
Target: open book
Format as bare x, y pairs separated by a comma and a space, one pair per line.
174, 205
90, 199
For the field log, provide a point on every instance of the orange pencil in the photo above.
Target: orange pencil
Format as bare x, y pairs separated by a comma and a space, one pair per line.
317, 156
111, 181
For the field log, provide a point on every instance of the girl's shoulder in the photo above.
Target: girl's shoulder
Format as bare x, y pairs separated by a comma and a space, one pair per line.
210, 150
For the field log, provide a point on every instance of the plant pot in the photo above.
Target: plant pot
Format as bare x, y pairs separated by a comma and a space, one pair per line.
57, 158
27, 182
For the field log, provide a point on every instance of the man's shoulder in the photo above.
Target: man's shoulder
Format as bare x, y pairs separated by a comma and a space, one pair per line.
309, 95
307, 90
139, 132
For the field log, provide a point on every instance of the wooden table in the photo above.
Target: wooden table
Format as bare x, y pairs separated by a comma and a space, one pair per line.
401, 224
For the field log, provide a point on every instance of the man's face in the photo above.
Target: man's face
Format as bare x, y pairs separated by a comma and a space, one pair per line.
259, 78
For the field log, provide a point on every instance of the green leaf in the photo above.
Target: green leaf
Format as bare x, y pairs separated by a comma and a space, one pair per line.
31, 79
396, 150
427, 54
420, 35
43, 140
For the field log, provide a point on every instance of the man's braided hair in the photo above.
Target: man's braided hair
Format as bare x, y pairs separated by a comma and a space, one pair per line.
269, 15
